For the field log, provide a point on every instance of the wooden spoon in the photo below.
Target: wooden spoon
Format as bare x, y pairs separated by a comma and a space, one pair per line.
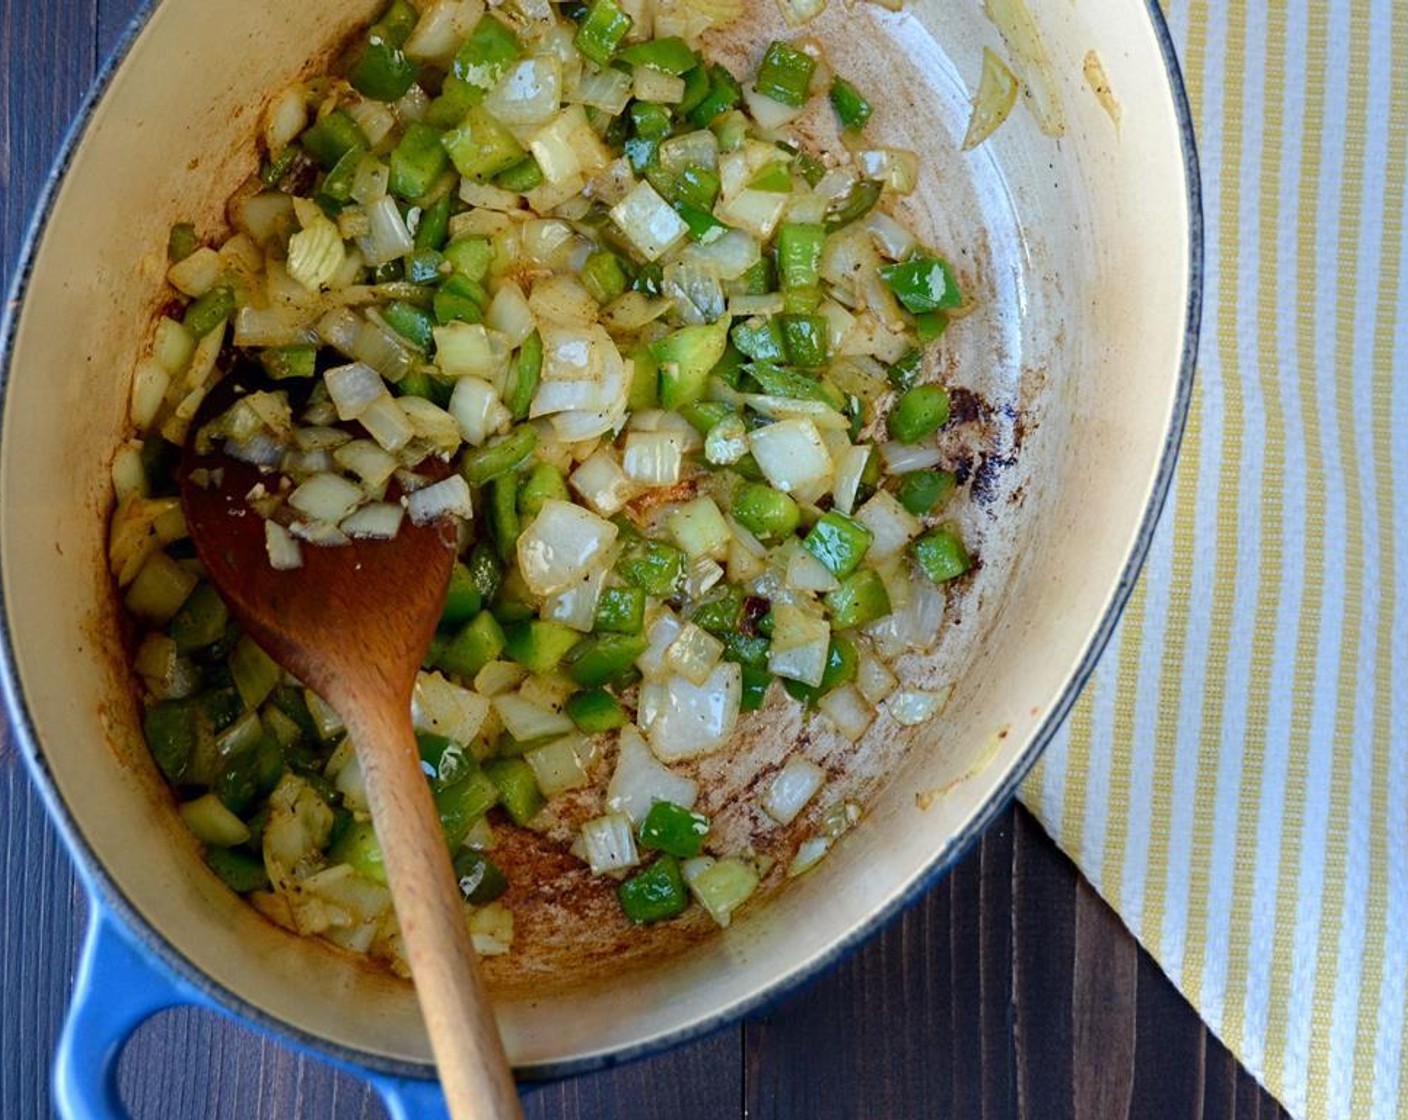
354, 623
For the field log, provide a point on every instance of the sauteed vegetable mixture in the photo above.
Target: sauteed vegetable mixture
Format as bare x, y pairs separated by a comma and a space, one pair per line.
675, 361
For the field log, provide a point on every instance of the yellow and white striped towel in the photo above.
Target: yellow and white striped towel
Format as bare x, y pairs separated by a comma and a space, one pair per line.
1235, 778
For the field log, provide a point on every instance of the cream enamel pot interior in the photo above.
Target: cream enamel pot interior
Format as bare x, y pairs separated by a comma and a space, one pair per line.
1084, 254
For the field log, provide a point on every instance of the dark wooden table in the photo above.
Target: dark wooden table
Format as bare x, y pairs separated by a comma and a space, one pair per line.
1010, 990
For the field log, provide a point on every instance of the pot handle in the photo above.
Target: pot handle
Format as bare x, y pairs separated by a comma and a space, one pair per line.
117, 990
410, 1100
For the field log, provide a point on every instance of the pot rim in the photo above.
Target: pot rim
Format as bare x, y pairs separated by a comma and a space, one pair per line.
104, 892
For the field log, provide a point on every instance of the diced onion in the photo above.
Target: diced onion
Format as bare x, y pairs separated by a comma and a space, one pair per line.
902, 458
382, 349
433, 425
914, 706
575, 606
377, 521
367, 461
806, 573
526, 721
444, 708
326, 497
653, 458
608, 90
387, 423
795, 784
697, 719
441, 28
800, 644
285, 118
720, 886
890, 237
890, 524
609, 843
850, 466
563, 544
477, 410
655, 85
757, 212
498, 677
661, 630
285, 553
809, 853
389, 239
353, 388
558, 766
648, 222
847, 709
874, 679
694, 654
640, 780
794, 459
602, 483
446, 498
1031, 60
700, 528
470, 350
770, 115
529, 92
509, 314
799, 12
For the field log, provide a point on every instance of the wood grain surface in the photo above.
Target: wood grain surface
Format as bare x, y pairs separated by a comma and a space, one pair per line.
1010, 990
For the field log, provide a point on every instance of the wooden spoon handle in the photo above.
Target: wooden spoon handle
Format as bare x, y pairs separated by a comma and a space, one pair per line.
469, 1054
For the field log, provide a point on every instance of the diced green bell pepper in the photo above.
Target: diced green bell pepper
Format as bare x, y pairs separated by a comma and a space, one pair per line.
517, 788
918, 414
941, 555
861, 599
209, 311
725, 93
201, 621
839, 542
417, 161
852, 109
923, 284
239, 870
604, 659
655, 894
653, 566
284, 362
673, 829
768, 514
462, 803
481, 147
595, 711
331, 137
500, 456
784, 74
670, 54
480, 879
806, 339
543, 484
799, 247
525, 375
921, 492
522, 177
620, 610
480, 642
486, 56
382, 71
756, 683
539, 645
601, 31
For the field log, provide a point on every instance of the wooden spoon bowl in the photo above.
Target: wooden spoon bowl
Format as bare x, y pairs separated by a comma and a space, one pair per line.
354, 623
